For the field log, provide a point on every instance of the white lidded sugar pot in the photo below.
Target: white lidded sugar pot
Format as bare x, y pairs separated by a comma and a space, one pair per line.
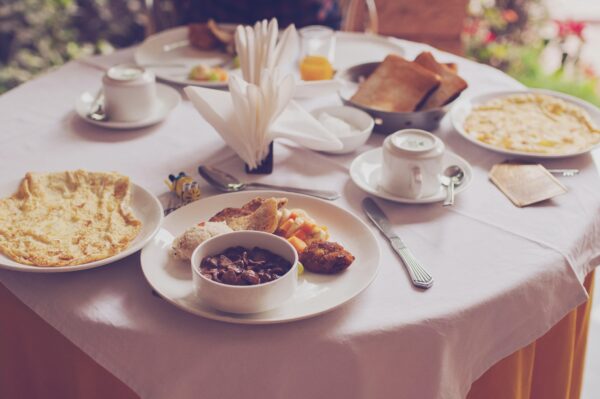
412, 163
129, 93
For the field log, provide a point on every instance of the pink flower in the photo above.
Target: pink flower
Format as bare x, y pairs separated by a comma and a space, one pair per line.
489, 37
570, 27
577, 28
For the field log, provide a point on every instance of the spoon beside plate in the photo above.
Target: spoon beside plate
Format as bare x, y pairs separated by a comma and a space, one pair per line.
227, 183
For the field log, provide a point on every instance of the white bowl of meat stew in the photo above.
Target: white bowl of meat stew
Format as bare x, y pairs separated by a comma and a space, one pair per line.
245, 271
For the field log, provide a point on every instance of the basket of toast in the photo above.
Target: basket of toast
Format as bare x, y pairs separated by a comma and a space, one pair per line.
402, 94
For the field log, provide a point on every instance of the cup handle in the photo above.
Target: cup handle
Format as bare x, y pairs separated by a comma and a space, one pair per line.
416, 181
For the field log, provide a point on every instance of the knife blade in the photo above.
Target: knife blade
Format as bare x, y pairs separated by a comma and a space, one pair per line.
419, 276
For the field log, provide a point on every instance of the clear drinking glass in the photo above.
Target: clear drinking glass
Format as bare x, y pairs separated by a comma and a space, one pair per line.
318, 40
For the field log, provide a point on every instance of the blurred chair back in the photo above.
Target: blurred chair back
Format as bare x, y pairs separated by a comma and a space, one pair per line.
360, 16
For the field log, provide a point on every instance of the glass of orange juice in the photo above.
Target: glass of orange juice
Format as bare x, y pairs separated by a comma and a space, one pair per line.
318, 52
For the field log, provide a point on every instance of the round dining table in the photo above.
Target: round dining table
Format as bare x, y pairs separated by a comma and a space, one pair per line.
506, 317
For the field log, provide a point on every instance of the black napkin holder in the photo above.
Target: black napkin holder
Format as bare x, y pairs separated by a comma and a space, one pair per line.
266, 165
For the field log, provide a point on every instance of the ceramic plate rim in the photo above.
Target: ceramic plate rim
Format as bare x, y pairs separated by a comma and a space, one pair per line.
239, 319
466, 104
157, 209
167, 106
354, 175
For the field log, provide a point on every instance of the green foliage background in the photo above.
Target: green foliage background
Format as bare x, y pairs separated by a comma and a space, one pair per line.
37, 35
506, 35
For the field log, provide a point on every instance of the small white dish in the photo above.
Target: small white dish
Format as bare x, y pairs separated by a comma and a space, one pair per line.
463, 108
365, 172
168, 99
145, 206
245, 299
356, 118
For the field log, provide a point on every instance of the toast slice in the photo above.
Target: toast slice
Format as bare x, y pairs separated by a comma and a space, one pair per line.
262, 219
259, 214
396, 85
450, 87
247, 209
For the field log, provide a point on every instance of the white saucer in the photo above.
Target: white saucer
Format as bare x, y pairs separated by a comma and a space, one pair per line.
365, 172
168, 99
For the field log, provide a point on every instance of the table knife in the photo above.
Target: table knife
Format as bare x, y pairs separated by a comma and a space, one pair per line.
419, 276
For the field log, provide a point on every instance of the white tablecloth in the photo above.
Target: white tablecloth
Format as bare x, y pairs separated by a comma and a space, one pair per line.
503, 275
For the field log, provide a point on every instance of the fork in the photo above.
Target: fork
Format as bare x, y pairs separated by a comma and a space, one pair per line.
564, 172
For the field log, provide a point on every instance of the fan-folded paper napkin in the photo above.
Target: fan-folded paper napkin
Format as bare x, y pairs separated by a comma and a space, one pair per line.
258, 48
250, 116
261, 47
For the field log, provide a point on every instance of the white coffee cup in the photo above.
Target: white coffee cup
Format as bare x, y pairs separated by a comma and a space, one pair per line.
412, 164
129, 93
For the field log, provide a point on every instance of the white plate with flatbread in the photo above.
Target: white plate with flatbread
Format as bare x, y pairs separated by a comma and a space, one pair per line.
315, 294
463, 108
145, 206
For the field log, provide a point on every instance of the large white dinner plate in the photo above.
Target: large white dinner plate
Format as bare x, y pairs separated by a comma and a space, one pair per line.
365, 172
316, 293
462, 109
155, 51
146, 207
351, 48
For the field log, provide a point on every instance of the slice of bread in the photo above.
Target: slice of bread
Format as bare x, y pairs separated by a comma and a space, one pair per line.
264, 218
396, 85
248, 208
451, 85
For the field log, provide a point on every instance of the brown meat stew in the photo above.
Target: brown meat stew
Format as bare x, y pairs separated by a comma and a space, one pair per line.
242, 266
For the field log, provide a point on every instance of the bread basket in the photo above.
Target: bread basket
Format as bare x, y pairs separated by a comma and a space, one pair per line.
388, 122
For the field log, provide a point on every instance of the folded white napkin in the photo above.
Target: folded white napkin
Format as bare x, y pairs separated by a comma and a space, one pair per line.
259, 49
251, 116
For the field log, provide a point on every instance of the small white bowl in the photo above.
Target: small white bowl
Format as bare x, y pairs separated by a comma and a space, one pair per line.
245, 299
362, 121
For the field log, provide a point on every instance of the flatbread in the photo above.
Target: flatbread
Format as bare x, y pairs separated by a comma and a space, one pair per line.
533, 123
67, 218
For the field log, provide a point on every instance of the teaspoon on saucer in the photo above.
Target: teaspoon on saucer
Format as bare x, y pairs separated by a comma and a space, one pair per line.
453, 176
97, 112
227, 183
